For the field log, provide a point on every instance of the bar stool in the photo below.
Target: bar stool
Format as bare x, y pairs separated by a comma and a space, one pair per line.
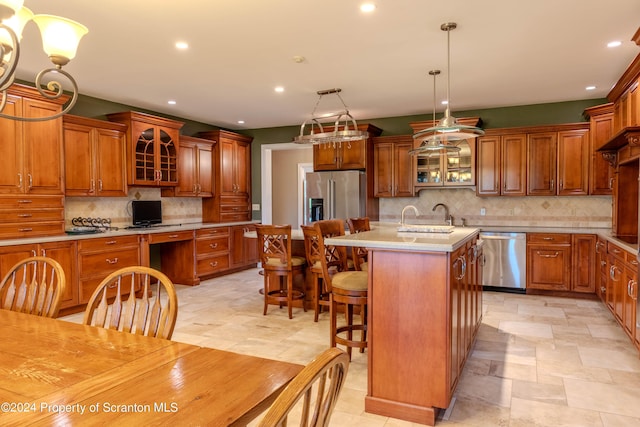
274, 245
314, 268
348, 288
358, 225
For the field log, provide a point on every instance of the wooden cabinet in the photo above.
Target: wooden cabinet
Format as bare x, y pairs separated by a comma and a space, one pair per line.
451, 169
602, 269
573, 162
600, 131
502, 165
549, 261
152, 148
392, 166
28, 216
244, 250
31, 161
630, 295
97, 258
64, 252
231, 201
94, 153
195, 169
584, 266
212, 250
340, 156
541, 164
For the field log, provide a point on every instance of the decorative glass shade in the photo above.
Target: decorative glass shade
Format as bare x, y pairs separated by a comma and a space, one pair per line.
9, 7
16, 23
60, 37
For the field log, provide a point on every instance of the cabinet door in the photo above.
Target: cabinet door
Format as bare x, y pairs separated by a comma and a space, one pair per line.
144, 154
110, 163
402, 170
601, 270
383, 169
43, 148
541, 164
353, 155
549, 267
167, 156
204, 169
514, 165
79, 161
227, 172
573, 163
10, 255
617, 286
187, 162
242, 164
601, 170
584, 266
488, 166
325, 157
66, 254
629, 298
460, 166
12, 177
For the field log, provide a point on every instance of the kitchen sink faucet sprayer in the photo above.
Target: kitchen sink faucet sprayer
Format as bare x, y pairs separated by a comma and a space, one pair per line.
447, 217
415, 210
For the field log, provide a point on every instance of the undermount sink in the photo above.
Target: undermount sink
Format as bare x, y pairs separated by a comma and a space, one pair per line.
421, 228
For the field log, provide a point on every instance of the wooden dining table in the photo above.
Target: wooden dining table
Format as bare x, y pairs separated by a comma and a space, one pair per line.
54, 372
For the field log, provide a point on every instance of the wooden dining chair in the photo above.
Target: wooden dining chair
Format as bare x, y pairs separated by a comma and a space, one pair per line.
138, 300
349, 288
34, 285
359, 255
274, 248
321, 293
318, 385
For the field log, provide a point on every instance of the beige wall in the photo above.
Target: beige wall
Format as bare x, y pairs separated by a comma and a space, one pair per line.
565, 211
286, 196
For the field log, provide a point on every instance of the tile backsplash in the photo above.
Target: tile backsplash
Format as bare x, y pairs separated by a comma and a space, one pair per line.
175, 210
558, 211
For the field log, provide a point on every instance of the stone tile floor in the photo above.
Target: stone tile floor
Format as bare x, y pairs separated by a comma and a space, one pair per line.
537, 361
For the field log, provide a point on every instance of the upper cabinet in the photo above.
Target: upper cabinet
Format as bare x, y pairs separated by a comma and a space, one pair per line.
345, 155
195, 169
31, 161
601, 129
94, 152
450, 169
152, 148
231, 199
502, 165
392, 163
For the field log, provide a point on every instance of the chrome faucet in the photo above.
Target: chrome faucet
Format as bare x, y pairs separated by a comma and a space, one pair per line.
447, 217
415, 210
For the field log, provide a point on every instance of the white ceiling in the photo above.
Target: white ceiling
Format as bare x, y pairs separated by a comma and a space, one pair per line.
503, 53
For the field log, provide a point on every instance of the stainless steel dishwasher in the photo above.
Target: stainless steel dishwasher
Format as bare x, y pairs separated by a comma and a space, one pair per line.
505, 261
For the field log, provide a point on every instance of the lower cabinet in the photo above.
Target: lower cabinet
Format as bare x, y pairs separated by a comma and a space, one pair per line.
583, 263
97, 258
212, 250
244, 250
549, 261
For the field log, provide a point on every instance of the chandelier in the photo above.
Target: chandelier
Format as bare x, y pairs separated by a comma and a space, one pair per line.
60, 38
448, 129
345, 128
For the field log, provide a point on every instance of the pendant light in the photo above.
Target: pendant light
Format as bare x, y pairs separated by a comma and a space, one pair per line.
448, 129
432, 145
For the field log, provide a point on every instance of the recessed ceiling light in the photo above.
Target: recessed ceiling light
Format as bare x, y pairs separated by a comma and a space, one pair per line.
590, 88
367, 7
279, 89
240, 122
182, 45
445, 102
172, 102
615, 43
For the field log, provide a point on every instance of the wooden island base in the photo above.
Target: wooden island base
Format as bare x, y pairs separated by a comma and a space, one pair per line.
403, 411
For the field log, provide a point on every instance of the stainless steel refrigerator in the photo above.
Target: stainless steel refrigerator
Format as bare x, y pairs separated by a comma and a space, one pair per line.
334, 195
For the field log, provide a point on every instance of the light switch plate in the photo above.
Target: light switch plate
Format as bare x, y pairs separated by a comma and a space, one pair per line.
255, 206
483, 211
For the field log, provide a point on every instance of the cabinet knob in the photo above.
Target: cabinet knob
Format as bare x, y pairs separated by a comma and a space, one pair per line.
112, 261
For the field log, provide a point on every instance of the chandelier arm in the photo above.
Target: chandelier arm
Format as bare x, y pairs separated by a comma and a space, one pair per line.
9, 67
52, 86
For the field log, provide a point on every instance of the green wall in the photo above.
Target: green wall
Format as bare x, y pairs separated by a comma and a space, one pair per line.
524, 115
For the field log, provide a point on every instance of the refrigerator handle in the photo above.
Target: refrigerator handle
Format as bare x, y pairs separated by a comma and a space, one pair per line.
333, 199
329, 200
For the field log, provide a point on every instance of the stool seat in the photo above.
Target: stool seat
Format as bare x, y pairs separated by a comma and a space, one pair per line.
350, 281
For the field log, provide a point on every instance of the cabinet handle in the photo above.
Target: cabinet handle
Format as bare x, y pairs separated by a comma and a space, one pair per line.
23, 230
603, 289
20, 180
43, 252
615, 251
612, 273
552, 187
547, 238
555, 255
603, 263
92, 186
26, 215
112, 261
33, 252
30, 180
100, 185
610, 183
629, 287
173, 236
213, 245
25, 201
633, 262
111, 242
561, 185
213, 264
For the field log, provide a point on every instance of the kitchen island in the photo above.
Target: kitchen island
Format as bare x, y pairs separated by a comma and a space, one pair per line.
424, 309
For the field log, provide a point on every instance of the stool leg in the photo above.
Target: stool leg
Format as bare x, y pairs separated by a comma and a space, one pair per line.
333, 316
290, 293
316, 296
363, 313
266, 292
349, 313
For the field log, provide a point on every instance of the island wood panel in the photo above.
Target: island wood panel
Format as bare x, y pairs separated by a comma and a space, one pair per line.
409, 335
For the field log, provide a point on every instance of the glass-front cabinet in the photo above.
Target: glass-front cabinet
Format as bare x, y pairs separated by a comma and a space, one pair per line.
451, 168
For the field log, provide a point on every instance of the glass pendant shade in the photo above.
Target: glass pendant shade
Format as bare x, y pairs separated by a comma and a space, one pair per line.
9, 7
60, 37
16, 23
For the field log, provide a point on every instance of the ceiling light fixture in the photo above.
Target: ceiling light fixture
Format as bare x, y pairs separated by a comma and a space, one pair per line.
447, 130
60, 38
345, 128
433, 146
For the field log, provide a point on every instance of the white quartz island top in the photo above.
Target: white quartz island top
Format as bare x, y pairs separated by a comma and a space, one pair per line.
386, 236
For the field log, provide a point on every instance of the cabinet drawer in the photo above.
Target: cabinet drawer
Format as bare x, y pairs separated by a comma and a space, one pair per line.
31, 229
616, 251
211, 232
23, 215
107, 243
103, 263
212, 265
549, 238
234, 217
32, 202
212, 245
170, 237
88, 286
